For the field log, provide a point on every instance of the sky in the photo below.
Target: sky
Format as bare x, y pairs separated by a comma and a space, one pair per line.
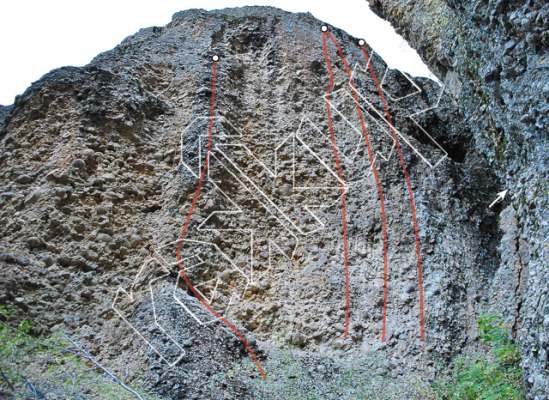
38, 36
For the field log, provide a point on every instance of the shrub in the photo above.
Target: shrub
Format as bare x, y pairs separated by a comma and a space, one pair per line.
494, 375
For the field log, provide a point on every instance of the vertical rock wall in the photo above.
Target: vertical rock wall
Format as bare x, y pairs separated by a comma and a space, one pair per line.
99, 167
493, 55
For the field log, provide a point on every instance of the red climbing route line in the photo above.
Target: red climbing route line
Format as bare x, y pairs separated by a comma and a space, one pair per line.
409, 190
195, 292
372, 161
342, 186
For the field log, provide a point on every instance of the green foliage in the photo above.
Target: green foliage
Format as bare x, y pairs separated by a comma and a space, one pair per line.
231, 17
49, 366
492, 330
493, 376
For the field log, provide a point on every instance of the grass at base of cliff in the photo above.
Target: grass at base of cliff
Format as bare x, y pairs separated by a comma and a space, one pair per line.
50, 368
293, 376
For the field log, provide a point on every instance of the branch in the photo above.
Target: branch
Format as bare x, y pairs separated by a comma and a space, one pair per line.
80, 349
37, 393
7, 380
87, 354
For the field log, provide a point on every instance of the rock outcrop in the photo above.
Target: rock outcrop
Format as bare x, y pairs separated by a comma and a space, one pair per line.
493, 55
100, 165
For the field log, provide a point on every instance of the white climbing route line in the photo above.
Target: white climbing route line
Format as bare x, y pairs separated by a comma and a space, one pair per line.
228, 150
381, 115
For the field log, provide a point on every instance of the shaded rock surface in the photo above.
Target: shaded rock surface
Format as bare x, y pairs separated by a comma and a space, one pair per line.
493, 55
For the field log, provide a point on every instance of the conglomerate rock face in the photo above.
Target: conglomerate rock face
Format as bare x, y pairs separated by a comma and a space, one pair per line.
100, 166
493, 56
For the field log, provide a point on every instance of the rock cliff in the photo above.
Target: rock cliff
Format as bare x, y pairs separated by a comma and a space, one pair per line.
493, 56
100, 167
